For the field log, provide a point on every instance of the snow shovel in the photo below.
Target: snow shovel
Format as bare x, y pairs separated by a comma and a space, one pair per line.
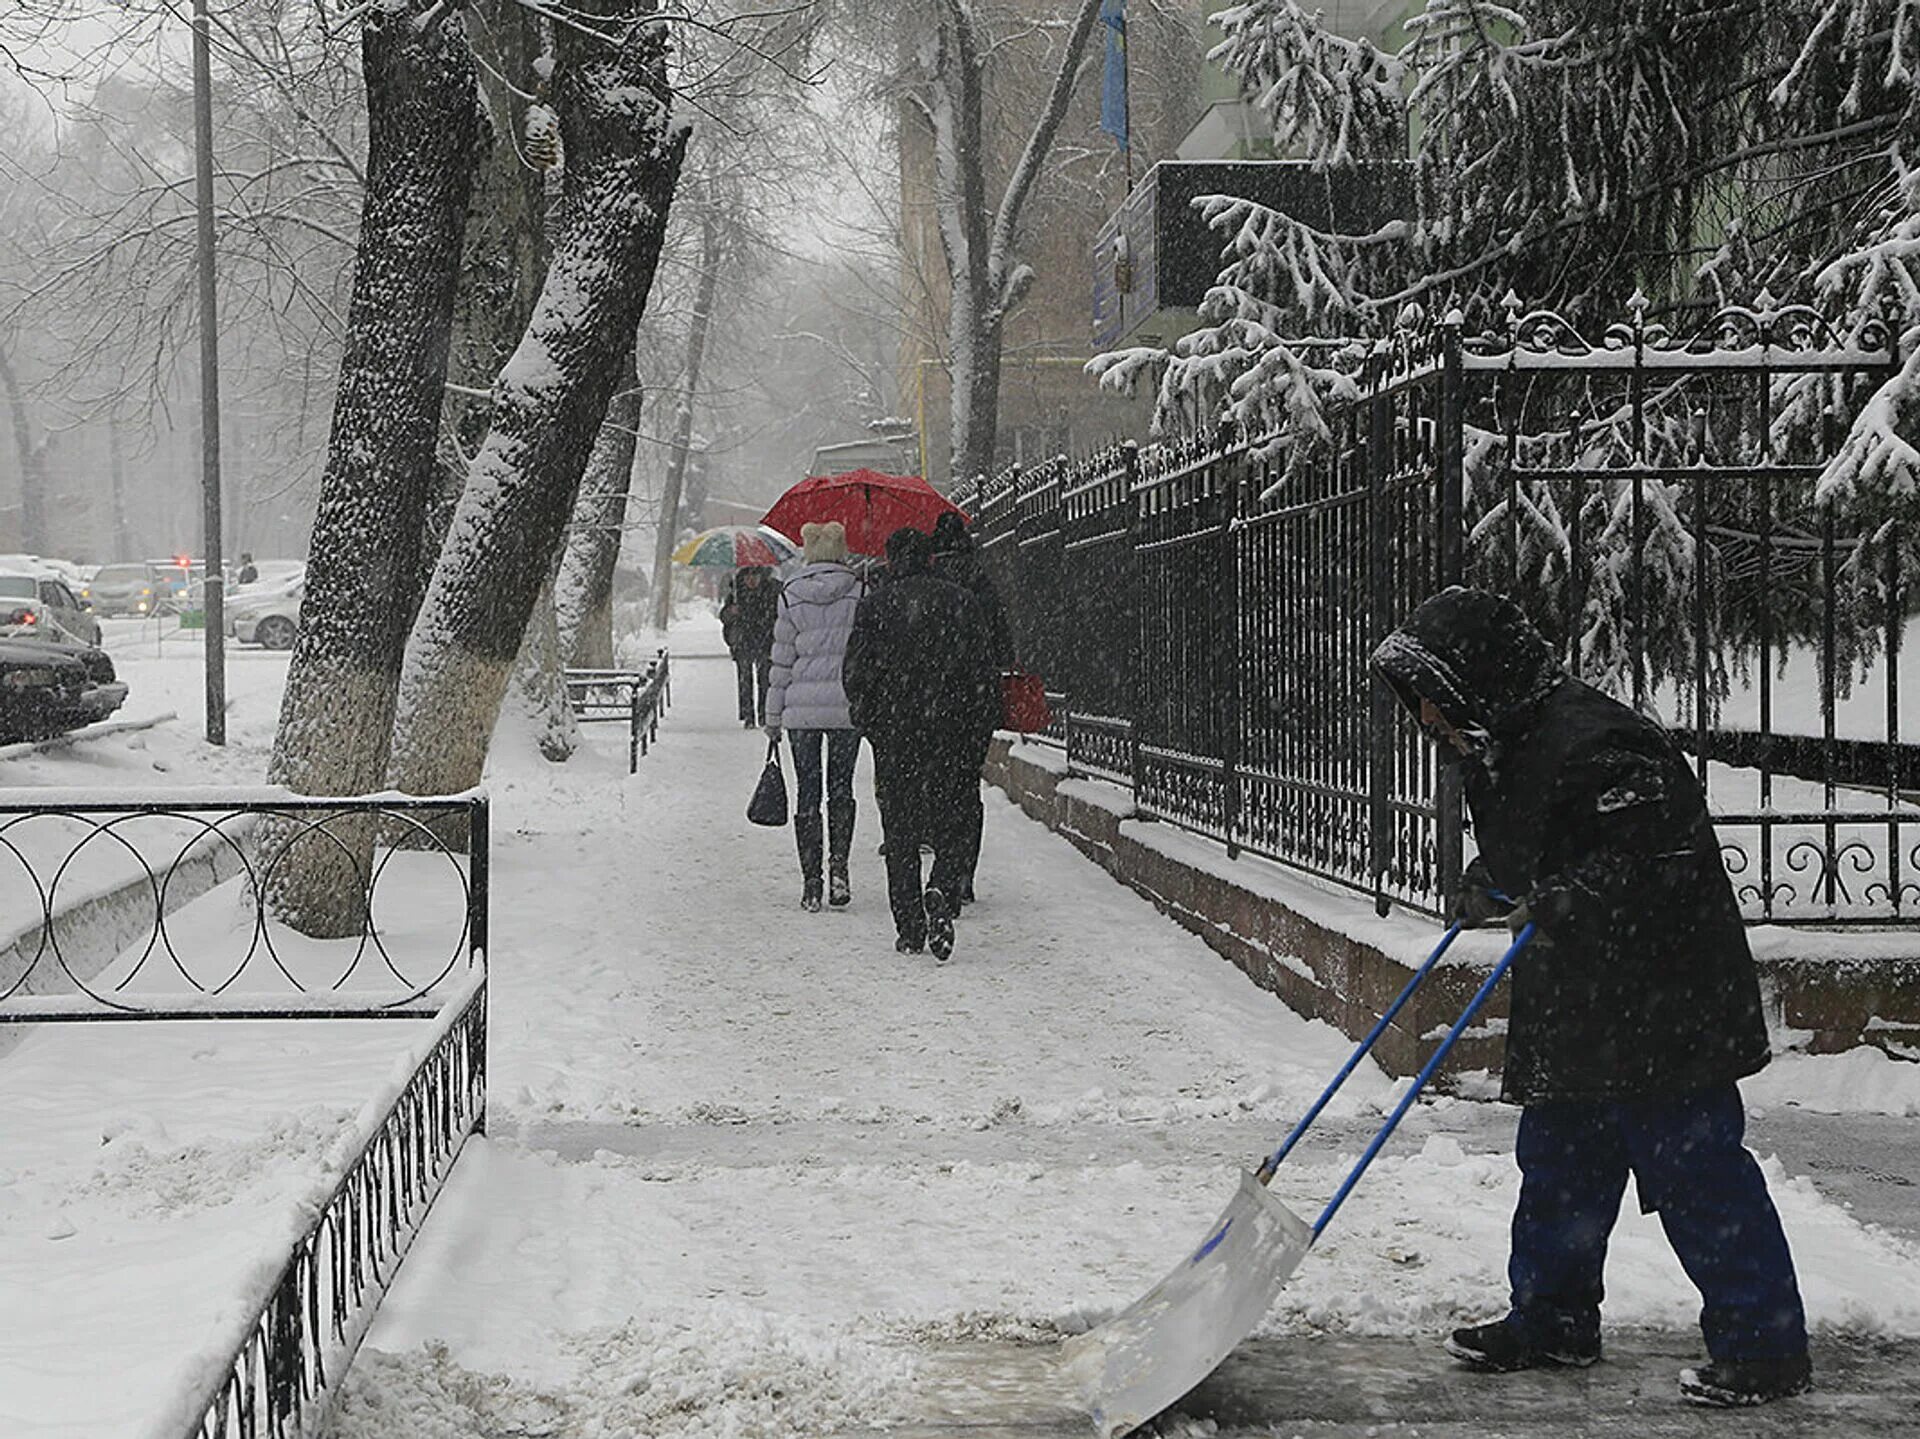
1163, 1344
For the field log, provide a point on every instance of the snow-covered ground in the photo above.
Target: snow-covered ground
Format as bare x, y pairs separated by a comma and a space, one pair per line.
749, 1168
749, 1172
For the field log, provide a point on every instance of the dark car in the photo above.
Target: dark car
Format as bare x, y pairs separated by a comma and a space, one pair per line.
47, 689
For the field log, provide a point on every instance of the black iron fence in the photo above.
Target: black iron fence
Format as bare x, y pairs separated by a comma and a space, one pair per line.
636, 698
1204, 609
96, 896
123, 909
313, 1315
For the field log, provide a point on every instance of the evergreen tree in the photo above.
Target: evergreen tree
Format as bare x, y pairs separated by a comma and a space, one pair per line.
1649, 167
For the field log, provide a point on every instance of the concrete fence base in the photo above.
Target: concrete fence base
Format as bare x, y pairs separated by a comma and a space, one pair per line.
1322, 950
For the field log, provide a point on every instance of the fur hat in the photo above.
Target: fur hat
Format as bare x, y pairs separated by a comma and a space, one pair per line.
824, 543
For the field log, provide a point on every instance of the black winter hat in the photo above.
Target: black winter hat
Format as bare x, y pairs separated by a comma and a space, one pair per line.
1475, 655
909, 551
950, 533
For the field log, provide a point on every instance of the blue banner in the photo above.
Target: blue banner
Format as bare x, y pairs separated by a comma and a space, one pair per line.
1113, 89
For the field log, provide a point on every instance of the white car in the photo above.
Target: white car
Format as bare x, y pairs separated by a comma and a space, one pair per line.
267, 615
40, 606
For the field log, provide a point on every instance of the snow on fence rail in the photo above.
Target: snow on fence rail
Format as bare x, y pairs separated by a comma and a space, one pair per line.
419, 953
636, 697
419, 904
271, 1373
1202, 609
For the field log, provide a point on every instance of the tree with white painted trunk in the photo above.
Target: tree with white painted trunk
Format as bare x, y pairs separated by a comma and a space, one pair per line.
583, 593
622, 150
980, 238
337, 713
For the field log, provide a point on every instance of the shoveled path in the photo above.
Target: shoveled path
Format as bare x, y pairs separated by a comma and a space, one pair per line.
749, 1173
1339, 1387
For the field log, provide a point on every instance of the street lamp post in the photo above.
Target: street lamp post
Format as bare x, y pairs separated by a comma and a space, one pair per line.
213, 607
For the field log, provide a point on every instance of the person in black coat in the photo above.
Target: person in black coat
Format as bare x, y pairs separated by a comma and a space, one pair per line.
747, 614
957, 558
1632, 1013
922, 687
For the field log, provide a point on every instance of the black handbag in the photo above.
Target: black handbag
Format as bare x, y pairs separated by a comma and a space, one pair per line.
769, 803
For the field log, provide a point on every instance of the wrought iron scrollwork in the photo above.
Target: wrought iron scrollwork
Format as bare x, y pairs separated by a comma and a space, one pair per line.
158, 856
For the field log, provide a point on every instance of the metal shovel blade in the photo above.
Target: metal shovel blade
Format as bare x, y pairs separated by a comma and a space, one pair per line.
1161, 1345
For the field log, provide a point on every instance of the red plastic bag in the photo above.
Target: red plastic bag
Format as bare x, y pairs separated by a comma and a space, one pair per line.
1023, 703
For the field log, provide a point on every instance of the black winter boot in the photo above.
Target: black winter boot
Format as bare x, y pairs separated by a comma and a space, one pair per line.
806, 837
1740, 1383
939, 925
840, 813
1501, 1348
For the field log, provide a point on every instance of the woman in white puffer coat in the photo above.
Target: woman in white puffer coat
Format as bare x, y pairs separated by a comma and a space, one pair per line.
806, 699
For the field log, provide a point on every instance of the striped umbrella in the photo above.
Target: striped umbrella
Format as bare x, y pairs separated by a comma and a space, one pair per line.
733, 547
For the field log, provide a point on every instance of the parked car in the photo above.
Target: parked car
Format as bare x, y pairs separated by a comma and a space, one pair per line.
47, 688
172, 584
271, 575
268, 616
42, 607
121, 590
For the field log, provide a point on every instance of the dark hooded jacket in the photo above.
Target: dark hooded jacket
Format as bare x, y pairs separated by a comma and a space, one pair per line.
957, 558
1640, 982
918, 672
747, 613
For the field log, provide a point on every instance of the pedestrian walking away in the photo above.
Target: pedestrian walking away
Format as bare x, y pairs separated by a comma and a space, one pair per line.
957, 558
746, 623
922, 687
1631, 1016
807, 698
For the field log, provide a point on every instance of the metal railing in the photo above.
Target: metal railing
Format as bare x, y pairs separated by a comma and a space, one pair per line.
109, 931
307, 1325
1206, 607
636, 698
67, 962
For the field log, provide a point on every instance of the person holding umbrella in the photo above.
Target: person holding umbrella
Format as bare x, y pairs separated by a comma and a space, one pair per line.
921, 685
746, 623
808, 700
957, 558
1633, 1013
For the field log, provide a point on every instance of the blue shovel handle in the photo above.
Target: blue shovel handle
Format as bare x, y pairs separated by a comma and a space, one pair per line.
1420, 1082
1274, 1160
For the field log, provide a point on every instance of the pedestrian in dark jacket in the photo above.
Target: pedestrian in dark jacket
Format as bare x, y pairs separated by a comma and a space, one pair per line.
1632, 1013
921, 684
957, 558
747, 615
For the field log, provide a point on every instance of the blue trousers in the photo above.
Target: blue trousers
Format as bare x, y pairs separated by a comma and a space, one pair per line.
1690, 1167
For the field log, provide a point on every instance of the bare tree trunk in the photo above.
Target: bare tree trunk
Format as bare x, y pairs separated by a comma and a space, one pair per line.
336, 719
623, 153
986, 280
583, 593
33, 464
542, 684
682, 448
504, 262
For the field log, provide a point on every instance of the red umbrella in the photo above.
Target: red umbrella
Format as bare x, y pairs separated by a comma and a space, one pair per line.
871, 505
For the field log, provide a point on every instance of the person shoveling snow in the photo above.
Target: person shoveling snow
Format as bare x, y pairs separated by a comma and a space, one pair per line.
1631, 1018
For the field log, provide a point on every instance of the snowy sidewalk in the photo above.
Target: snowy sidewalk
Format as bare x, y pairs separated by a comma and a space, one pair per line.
752, 1173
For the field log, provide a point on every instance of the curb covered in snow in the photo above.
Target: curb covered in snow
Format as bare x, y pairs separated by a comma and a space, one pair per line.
1324, 951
